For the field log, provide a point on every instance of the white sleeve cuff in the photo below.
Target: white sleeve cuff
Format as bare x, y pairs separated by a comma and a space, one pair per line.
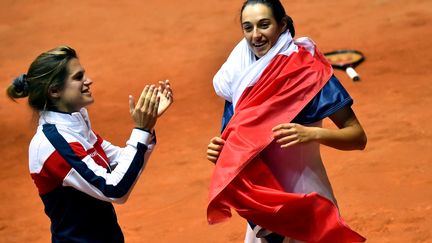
140, 136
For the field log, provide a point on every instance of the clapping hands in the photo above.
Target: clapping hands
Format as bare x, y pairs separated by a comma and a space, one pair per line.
153, 102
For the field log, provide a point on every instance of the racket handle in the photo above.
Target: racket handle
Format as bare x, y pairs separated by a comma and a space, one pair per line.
352, 74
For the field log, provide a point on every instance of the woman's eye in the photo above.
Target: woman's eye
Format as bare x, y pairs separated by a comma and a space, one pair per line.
265, 25
79, 76
247, 28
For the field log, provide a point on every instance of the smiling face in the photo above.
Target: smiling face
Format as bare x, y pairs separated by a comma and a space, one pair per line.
260, 28
76, 91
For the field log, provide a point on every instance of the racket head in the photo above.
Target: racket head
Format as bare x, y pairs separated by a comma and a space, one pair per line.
343, 59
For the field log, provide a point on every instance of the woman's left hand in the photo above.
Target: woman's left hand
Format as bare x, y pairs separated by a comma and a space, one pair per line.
165, 95
215, 148
288, 134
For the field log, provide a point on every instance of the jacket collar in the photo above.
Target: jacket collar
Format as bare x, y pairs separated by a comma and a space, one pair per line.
77, 122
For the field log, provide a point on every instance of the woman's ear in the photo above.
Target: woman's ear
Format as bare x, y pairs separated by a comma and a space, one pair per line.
54, 92
284, 24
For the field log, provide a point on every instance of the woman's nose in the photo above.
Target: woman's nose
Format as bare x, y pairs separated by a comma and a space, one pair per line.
87, 81
256, 33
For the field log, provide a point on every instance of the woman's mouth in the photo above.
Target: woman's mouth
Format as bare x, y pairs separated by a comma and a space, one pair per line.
259, 44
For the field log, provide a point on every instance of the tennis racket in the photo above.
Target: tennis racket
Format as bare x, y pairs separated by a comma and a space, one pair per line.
346, 60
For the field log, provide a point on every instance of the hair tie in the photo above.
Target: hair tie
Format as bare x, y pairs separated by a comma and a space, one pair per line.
20, 83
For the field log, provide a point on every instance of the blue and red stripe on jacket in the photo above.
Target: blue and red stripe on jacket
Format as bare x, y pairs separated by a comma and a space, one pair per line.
79, 177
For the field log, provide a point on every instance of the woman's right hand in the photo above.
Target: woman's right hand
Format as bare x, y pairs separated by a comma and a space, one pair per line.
144, 113
214, 148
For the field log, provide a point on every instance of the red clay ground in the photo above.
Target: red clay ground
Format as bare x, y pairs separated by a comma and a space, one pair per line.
384, 192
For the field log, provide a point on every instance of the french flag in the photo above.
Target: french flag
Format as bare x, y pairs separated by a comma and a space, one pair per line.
265, 93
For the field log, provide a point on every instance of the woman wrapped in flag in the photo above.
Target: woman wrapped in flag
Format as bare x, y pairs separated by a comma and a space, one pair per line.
78, 174
268, 164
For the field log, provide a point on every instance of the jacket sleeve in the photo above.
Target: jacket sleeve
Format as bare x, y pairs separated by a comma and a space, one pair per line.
89, 175
115, 153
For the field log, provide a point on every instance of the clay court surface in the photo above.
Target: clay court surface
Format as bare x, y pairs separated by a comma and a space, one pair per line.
384, 192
